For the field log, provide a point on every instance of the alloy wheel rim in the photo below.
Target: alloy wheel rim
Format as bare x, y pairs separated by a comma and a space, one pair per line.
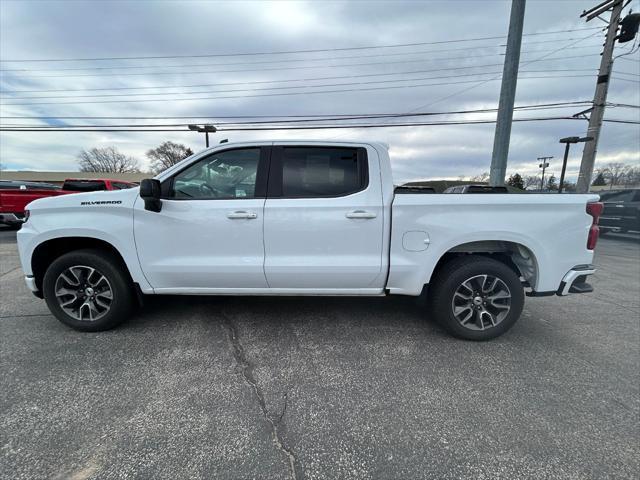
84, 293
481, 302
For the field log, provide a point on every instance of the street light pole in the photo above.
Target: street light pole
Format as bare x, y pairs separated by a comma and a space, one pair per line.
568, 141
543, 166
206, 129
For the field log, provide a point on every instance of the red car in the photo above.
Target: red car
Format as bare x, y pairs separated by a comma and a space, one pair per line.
71, 185
15, 195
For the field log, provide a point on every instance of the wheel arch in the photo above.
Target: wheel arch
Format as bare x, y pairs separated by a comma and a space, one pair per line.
45, 253
520, 258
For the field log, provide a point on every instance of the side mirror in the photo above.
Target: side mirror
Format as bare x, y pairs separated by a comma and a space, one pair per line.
150, 193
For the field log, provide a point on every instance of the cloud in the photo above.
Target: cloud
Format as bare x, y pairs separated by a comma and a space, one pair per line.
79, 29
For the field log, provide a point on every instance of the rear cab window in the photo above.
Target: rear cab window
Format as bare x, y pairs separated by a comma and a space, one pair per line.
316, 172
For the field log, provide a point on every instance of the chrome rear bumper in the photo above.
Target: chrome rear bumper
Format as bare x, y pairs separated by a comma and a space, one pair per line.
575, 280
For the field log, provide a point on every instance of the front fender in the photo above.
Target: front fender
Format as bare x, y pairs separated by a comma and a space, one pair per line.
114, 227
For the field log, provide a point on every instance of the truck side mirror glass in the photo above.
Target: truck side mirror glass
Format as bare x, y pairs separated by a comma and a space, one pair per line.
150, 193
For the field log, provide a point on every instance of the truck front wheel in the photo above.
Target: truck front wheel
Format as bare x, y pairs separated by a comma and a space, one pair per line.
476, 298
88, 290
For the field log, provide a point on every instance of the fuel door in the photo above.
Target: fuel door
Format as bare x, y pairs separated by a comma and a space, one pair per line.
415, 241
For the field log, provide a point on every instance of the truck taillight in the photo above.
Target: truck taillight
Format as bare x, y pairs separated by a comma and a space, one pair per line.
595, 210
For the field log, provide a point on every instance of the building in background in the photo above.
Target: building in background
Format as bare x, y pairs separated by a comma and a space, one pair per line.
57, 178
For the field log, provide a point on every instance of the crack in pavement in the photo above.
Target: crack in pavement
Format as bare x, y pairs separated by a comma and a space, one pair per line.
276, 425
26, 315
10, 271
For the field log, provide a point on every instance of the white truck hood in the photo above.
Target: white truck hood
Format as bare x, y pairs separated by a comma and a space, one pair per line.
84, 199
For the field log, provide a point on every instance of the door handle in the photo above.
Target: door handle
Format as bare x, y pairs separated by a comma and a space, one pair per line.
360, 214
241, 214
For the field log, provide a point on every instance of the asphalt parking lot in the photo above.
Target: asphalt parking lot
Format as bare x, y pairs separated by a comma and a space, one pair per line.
323, 388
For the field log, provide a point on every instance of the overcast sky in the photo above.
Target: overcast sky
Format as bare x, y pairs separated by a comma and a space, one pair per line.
45, 30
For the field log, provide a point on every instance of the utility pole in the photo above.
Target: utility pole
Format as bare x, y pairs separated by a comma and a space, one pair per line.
507, 95
543, 166
602, 88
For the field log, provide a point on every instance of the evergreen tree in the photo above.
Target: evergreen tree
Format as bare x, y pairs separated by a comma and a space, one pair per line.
515, 180
599, 180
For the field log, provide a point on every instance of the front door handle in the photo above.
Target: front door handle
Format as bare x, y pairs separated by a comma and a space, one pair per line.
241, 214
360, 214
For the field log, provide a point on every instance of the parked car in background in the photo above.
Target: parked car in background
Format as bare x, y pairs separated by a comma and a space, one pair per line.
95, 185
15, 195
305, 218
16, 184
476, 189
621, 210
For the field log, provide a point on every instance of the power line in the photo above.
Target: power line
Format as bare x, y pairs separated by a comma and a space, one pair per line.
261, 62
618, 72
286, 87
309, 92
314, 116
115, 128
297, 67
388, 54
276, 120
261, 82
267, 62
623, 105
238, 54
202, 85
483, 82
626, 79
318, 127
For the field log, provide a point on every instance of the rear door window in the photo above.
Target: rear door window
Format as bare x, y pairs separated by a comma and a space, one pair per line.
312, 172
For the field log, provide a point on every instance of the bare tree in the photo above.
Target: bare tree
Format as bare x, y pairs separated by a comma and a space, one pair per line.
530, 181
167, 155
632, 177
615, 173
483, 177
108, 160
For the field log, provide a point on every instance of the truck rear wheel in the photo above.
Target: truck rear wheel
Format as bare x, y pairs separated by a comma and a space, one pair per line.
476, 298
88, 290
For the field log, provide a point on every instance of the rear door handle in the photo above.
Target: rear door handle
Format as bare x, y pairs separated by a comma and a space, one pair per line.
360, 214
241, 214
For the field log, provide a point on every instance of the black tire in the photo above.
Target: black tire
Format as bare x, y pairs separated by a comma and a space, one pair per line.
451, 277
122, 292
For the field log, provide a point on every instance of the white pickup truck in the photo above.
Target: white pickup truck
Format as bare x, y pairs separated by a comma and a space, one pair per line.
305, 218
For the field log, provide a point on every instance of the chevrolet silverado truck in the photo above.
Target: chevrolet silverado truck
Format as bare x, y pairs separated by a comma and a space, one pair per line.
305, 218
